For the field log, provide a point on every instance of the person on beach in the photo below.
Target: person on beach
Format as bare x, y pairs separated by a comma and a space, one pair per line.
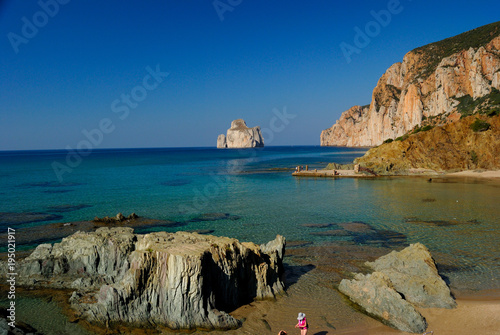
302, 324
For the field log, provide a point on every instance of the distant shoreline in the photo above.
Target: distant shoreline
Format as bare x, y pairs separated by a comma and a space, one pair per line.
488, 174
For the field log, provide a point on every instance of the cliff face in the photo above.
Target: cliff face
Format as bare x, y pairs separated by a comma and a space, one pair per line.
431, 81
180, 280
454, 146
240, 136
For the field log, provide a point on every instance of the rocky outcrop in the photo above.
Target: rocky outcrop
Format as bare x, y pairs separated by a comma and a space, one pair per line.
375, 294
400, 281
452, 147
182, 280
432, 81
413, 273
221, 141
240, 136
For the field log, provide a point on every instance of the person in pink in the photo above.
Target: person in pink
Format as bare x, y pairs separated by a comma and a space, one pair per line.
302, 324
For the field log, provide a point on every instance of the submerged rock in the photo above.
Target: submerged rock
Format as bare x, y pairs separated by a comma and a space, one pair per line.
10, 218
117, 219
67, 208
400, 281
214, 217
21, 328
179, 280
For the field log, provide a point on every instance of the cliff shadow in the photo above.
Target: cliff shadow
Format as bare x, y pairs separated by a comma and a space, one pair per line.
226, 288
292, 273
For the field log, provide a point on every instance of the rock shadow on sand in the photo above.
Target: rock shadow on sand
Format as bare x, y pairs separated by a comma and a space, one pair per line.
294, 272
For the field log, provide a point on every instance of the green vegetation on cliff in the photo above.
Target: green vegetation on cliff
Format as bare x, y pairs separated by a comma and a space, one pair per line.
470, 143
433, 53
488, 104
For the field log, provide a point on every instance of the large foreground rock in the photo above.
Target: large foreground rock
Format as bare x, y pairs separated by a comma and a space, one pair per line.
375, 293
180, 280
400, 282
413, 273
240, 136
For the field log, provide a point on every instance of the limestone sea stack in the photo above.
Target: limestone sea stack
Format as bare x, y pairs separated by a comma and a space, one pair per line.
240, 136
179, 280
436, 82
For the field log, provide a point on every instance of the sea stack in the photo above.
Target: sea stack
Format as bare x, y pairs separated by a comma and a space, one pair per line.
240, 136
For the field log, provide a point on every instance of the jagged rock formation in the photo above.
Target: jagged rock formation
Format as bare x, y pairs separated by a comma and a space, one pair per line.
400, 281
221, 141
432, 80
240, 136
181, 280
452, 147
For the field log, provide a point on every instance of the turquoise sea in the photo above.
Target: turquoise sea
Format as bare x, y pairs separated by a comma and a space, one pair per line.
252, 196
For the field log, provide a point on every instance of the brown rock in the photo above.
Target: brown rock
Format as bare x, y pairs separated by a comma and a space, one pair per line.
454, 146
427, 84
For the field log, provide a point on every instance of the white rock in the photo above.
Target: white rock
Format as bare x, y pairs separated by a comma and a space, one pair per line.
240, 136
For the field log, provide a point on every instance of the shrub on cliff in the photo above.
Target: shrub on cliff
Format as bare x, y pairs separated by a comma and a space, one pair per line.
480, 125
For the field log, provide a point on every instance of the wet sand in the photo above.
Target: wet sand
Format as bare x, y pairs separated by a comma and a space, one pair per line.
330, 173
476, 174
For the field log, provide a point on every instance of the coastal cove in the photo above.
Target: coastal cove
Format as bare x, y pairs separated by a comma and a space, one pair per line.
331, 225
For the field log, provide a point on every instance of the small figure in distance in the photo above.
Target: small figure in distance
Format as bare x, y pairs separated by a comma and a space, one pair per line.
302, 324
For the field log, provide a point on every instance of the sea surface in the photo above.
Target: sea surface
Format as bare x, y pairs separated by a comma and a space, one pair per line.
251, 195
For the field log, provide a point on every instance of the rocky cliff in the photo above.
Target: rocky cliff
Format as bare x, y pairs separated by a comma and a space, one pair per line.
181, 280
437, 80
240, 136
470, 143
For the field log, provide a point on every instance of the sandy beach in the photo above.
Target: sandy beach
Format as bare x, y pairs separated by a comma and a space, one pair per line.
328, 313
475, 174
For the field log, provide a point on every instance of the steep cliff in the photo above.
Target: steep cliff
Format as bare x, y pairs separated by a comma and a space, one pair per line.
240, 136
433, 81
180, 280
470, 143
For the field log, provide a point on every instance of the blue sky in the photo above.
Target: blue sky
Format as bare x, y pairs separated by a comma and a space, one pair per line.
68, 79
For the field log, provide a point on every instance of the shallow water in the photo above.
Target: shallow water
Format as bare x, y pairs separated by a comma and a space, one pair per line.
242, 194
